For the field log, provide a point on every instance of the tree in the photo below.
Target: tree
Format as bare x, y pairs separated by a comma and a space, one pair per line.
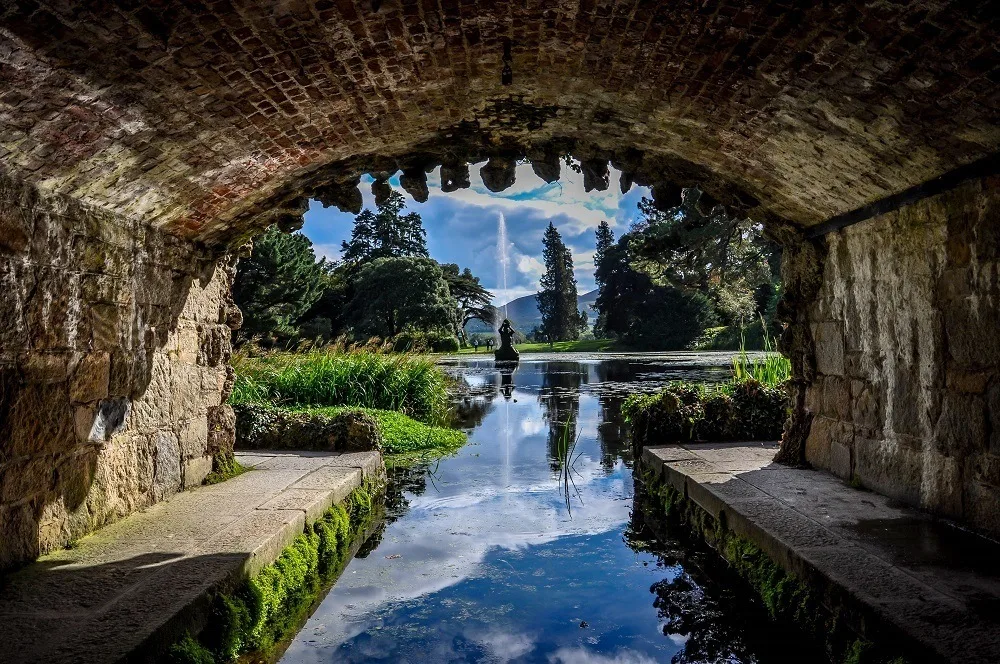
642, 313
277, 284
385, 233
724, 257
605, 242
472, 300
557, 300
392, 295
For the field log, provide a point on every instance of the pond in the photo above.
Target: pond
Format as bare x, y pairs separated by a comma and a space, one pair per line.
523, 548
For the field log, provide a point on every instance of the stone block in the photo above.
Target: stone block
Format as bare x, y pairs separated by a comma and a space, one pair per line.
889, 468
185, 391
941, 484
193, 437
110, 418
16, 229
221, 422
993, 408
829, 340
167, 465
840, 459
91, 377
196, 470
836, 398
866, 409
47, 367
823, 433
961, 427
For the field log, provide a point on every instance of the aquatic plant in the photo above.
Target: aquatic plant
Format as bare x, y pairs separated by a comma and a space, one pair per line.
566, 461
772, 370
340, 376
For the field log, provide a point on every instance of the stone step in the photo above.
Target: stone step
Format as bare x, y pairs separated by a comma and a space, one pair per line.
140, 583
926, 580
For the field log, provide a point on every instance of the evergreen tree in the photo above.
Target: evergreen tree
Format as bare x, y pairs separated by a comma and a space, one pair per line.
557, 300
605, 242
473, 300
277, 284
386, 233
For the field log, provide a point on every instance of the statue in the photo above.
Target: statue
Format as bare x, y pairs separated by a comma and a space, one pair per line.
506, 351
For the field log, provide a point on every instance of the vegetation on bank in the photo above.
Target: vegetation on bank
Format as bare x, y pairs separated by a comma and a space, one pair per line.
750, 406
336, 376
402, 435
269, 607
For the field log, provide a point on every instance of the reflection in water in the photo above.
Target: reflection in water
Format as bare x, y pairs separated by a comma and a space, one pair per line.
481, 560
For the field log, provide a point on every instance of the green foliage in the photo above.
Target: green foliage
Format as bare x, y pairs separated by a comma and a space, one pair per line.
402, 434
425, 342
773, 370
642, 314
225, 467
277, 284
189, 651
340, 377
386, 233
269, 606
396, 294
473, 301
557, 299
692, 411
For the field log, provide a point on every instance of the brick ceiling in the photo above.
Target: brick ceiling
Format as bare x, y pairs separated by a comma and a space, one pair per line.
199, 116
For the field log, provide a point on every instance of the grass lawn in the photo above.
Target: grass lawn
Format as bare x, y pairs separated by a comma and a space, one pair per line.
587, 346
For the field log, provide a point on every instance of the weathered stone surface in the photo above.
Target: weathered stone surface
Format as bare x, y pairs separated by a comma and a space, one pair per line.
115, 326
858, 550
116, 591
900, 310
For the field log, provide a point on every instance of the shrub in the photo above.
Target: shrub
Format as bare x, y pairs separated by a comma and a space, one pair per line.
685, 411
336, 376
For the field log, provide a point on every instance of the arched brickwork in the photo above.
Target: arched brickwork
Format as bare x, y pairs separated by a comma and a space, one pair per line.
139, 142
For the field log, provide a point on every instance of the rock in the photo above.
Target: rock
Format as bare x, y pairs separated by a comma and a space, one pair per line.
414, 182
166, 465
454, 177
499, 173
547, 167
91, 378
382, 191
346, 198
595, 175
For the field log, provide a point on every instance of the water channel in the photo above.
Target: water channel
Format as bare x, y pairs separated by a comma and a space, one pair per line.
499, 554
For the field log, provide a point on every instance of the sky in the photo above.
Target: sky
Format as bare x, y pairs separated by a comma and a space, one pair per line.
462, 225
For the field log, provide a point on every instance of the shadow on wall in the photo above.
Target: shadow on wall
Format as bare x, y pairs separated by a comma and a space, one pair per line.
114, 353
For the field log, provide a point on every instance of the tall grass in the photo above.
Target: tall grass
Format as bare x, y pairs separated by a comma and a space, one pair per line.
565, 449
772, 370
338, 376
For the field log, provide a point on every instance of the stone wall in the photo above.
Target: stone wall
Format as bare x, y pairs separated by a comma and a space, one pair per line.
114, 350
906, 327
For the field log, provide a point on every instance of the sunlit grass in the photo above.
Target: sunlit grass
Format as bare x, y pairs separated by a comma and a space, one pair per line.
338, 376
772, 369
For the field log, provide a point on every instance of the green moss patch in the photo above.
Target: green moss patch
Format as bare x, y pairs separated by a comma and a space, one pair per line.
402, 434
270, 606
225, 467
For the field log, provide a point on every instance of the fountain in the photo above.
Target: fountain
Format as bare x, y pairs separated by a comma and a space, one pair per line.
505, 353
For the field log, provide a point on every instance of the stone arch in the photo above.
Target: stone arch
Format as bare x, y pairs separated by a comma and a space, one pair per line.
163, 134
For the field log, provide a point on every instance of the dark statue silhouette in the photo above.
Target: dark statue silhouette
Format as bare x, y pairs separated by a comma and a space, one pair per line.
506, 351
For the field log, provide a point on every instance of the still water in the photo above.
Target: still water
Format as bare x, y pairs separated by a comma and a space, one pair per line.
516, 551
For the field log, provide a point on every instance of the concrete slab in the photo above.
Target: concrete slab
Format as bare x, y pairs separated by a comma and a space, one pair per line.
138, 583
925, 579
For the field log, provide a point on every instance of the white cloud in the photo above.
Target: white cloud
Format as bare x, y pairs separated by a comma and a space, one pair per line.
583, 656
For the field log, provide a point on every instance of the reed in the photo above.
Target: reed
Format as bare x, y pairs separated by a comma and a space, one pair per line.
343, 376
772, 370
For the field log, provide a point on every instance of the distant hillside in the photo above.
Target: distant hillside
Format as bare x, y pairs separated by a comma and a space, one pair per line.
523, 313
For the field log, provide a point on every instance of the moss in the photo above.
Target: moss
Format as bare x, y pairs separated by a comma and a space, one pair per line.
269, 607
189, 651
786, 598
402, 434
224, 467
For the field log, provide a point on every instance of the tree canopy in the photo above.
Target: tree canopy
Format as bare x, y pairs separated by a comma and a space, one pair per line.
385, 233
407, 293
277, 284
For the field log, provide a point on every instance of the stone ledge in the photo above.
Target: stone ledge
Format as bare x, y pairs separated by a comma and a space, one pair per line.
898, 567
153, 572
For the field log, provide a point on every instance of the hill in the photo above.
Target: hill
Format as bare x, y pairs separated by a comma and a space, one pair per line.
524, 314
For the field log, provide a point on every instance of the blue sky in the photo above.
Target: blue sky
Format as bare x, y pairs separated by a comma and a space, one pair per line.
462, 225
